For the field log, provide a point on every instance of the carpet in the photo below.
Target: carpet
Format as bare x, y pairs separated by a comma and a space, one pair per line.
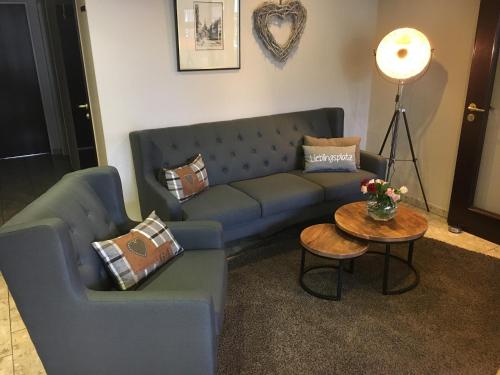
449, 324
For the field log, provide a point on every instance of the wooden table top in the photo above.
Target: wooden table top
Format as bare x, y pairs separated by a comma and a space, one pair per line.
407, 225
327, 241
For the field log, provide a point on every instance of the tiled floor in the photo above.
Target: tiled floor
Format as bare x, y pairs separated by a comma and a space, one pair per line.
22, 181
17, 353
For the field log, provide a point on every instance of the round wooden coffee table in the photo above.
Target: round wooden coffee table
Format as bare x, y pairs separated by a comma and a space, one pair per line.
326, 241
406, 226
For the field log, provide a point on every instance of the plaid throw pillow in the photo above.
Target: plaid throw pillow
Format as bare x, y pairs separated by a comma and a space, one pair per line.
135, 255
186, 181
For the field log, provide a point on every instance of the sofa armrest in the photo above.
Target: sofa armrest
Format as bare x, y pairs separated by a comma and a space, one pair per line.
193, 235
152, 195
158, 198
374, 163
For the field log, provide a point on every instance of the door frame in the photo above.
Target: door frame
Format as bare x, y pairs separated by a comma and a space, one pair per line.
91, 81
46, 77
462, 212
49, 9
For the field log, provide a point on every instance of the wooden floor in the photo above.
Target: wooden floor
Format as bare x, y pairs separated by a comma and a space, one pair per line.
17, 353
23, 180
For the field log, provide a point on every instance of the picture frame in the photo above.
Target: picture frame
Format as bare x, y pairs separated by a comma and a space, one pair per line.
207, 34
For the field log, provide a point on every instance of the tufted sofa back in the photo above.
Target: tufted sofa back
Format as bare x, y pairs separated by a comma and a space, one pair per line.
88, 204
237, 149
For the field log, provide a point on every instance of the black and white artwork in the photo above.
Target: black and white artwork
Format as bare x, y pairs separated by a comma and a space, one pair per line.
208, 34
209, 25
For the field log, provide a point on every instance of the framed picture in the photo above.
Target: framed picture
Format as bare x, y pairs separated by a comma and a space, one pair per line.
208, 34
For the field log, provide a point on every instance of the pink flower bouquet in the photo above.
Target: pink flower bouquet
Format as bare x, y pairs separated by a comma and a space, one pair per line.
382, 198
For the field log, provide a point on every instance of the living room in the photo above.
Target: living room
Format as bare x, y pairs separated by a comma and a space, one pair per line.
272, 261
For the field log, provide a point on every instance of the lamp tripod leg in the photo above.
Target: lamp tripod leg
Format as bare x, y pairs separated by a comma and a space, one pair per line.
391, 124
414, 159
394, 145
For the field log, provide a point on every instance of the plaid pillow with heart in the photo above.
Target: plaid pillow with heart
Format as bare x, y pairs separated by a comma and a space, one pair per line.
140, 252
186, 181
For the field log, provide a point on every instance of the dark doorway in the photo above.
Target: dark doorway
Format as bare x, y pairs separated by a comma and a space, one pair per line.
76, 84
43, 100
475, 206
23, 130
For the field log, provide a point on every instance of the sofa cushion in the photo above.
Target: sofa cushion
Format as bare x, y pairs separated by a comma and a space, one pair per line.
329, 158
195, 270
281, 192
222, 203
336, 142
185, 181
135, 255
338, 185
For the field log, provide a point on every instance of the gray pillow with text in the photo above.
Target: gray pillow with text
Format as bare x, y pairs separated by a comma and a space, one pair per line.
329, 158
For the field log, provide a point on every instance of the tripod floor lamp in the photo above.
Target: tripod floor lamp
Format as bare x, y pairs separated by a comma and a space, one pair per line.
402, 56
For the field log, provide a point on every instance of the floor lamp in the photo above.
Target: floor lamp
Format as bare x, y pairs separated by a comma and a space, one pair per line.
402, 56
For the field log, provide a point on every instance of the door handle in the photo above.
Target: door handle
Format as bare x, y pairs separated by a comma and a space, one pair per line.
473, 108
84, 106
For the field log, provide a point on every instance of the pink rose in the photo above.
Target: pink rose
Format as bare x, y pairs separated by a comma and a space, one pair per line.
364, 189
395, 197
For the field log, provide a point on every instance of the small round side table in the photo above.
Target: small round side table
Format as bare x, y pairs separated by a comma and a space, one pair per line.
407, 226
326, 241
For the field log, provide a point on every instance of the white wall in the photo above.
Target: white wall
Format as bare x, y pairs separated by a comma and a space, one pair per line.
435, 103
133, 46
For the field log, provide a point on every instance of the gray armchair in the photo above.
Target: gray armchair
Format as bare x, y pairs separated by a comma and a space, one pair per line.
78, 322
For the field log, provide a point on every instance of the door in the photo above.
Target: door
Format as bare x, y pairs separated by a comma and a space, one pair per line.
23, 130
75, 80
475, 199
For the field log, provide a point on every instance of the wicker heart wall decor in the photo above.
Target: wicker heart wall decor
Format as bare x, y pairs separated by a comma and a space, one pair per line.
267, 12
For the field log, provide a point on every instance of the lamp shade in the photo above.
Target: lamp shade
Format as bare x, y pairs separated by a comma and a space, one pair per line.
403, 54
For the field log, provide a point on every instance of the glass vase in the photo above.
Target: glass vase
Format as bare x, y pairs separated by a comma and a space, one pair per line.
381, 210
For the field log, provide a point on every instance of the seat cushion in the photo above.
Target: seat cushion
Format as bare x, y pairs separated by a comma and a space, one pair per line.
224, 204
203, 271
281, 192
338, 185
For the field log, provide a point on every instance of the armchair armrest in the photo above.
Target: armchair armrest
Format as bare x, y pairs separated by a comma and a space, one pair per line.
157, 198
194, 235
374, 163
149, 332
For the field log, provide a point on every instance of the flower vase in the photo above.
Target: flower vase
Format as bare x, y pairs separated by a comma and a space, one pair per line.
381, 210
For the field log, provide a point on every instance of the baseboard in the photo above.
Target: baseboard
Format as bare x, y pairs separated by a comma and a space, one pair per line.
419, 202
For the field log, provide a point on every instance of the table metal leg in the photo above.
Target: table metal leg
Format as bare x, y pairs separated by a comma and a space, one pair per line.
410, 252
386, 267
339, 279
338, 267
302, 262
408, 261
351, 266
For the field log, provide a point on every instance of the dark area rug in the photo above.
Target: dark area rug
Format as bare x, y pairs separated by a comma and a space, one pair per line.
449, 324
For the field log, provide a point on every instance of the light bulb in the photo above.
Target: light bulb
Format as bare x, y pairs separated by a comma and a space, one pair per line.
403, 54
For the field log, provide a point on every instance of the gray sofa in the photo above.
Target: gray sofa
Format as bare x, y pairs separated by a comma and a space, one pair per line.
254, 167
78, 323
